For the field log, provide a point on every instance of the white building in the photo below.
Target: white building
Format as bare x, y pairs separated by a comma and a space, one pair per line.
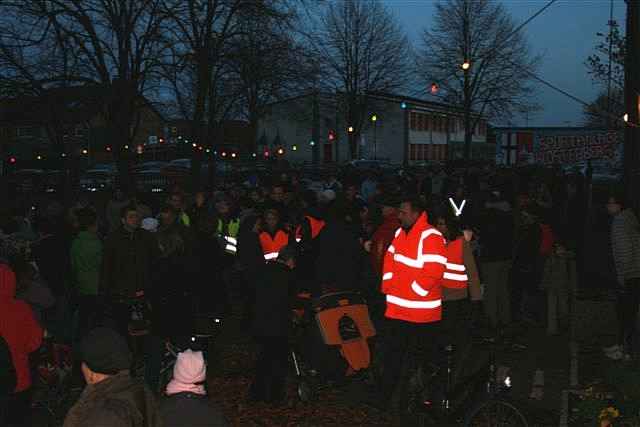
405, 128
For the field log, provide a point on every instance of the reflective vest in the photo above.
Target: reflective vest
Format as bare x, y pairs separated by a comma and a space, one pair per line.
455, 275
316, 227
271, 245
412, 274
230, 235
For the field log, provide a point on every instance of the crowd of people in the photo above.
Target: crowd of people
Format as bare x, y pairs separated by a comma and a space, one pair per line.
435, 252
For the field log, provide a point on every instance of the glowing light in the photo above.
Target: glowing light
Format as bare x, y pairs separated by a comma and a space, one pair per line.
108, 148
39, 157
294, 148
625, 117
224, 154
466, 65
12, 160
350, 129
254, 155
233, 155
194, 145
208, 150
403, 105
85, 151
312, 143
374, 118
280, 151
126, 147
63, 154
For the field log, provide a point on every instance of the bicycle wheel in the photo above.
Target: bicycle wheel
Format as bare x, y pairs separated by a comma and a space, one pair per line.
495, 413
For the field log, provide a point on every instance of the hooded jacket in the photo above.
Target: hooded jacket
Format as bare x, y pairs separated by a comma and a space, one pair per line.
114, 402
625, 243
18, 327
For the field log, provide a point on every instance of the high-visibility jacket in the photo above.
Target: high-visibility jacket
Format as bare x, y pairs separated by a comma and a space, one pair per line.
271, 245
455, 274
412, 274
230, 235
316, 226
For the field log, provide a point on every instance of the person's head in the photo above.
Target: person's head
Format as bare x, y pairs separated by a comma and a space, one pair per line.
271, 219
130, 217
350, 191
168, 215
256, 196
189, 374
176, 201
87, 220
616, 202
287, 256
200, 198
223, 207
277, 193
103, 353
409, 212
448, 225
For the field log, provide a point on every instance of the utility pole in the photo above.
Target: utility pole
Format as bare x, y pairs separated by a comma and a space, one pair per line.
631, 85
315, 133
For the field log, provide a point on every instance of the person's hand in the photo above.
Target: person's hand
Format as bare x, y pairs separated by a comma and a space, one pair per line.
468, 235
367, 246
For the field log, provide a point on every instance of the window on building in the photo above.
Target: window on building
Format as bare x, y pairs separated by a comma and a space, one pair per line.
25, 132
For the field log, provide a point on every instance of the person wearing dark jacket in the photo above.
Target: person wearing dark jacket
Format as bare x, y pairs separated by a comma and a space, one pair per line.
127, 266
187, 404
524, 290
250, 260
496, 252
271, 322
23, 335
111, 398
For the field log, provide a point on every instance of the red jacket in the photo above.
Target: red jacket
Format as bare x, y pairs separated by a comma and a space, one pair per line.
271, 245
455, 275
381, 240
18, 327
413, 268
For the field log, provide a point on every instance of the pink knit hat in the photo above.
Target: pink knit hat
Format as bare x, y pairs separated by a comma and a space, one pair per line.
189, 373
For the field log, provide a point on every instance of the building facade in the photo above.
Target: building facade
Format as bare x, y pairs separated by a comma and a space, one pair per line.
397, 129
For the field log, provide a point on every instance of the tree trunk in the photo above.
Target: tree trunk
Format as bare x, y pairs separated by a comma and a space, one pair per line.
468, 131
123, 97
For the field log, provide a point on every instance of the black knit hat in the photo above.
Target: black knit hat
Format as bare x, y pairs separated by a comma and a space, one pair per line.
104, 351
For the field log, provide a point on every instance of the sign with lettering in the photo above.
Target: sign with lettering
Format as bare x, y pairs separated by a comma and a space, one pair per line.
577, 148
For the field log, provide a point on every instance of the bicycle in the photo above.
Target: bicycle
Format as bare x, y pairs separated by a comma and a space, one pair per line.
479, 399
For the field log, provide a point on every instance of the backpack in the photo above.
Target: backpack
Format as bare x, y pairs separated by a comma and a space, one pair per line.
8, 378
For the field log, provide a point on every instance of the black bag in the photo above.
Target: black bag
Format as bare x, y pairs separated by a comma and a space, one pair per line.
8, 379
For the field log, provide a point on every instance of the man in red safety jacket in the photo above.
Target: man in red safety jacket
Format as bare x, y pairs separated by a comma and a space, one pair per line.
412, 283
273, 238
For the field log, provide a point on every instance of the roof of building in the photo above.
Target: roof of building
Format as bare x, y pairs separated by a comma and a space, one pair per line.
73, 104
548, 128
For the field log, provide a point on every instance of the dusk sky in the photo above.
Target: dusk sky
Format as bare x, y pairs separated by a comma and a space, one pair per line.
565, 34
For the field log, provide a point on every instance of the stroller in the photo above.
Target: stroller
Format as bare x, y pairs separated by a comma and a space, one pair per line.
336, 325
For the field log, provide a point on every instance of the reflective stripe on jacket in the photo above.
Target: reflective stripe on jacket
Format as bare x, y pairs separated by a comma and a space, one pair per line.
455, 275
412, 274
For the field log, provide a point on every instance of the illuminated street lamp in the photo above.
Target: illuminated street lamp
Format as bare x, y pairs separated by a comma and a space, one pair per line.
39, 157
625, 117
466, 65
350, 129
85, 151
374, 118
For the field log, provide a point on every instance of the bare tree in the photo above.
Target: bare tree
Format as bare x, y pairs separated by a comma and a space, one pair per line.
360, 48
493, 82
606, 111
115, 44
